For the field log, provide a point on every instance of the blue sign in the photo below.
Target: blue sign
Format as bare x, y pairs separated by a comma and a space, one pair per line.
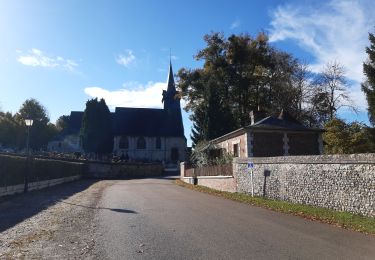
250, 165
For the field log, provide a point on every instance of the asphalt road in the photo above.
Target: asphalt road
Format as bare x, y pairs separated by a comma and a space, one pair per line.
156, 219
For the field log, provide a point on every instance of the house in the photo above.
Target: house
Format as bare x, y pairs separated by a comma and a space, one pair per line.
272, 136
139, 133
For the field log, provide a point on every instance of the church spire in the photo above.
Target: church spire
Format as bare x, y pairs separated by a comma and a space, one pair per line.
171, 84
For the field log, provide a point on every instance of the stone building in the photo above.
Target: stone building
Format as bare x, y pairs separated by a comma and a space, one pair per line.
139, 133
272, 136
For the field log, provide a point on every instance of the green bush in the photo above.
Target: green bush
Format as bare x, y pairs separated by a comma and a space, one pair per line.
13, 169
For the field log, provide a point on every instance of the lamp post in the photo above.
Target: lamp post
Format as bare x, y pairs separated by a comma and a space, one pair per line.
29, 123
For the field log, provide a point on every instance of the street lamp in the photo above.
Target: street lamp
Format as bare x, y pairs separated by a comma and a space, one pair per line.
29, 123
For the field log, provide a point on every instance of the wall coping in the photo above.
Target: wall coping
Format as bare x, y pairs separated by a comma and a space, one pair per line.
211, 177
365, 158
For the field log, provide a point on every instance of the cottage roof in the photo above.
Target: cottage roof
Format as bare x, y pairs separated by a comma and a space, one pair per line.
283, 122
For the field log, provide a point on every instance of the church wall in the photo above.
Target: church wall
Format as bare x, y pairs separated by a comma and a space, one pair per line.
69, 144
151, 153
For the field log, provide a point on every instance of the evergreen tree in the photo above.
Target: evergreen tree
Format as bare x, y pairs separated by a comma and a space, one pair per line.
369, 86
96, 131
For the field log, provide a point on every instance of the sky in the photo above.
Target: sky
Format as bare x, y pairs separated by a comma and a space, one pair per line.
63, 53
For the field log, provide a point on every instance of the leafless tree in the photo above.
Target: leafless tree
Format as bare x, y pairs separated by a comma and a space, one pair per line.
332, 90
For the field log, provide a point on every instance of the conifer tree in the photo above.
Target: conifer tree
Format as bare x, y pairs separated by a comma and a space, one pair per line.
369, 86
96, 131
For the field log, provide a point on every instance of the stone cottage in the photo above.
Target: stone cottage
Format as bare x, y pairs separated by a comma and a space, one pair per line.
272, 136
139, 133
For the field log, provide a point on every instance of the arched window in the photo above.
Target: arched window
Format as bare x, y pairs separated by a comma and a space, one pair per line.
141, 143
158, 143
124, 143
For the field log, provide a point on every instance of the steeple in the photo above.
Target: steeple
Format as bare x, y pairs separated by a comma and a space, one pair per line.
171, 86
170, 96
171, 100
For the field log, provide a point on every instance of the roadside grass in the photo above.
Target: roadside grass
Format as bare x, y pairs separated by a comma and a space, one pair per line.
338, 218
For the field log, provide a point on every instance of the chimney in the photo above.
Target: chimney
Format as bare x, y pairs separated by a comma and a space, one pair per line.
252, 117
255, 116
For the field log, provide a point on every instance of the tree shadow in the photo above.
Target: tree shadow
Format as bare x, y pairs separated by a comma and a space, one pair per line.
101, 208
17, 208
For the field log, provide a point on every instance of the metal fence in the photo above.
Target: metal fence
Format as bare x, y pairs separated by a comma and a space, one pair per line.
216, 170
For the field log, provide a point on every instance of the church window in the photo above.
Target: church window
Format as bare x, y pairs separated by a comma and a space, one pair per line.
158, 143
124, 143
141, 143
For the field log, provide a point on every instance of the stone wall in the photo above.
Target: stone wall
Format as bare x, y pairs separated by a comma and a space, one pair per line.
340, 182
37, 185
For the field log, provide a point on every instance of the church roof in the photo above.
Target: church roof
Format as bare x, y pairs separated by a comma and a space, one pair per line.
75, 122
146, 122
171, 84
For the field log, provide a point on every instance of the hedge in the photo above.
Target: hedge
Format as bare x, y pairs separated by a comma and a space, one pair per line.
14, 168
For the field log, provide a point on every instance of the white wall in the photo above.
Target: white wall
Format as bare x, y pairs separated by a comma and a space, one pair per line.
151, 153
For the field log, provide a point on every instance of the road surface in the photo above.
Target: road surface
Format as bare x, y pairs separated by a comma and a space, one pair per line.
156, 219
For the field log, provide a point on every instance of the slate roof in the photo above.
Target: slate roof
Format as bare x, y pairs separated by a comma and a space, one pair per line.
136, 122
283, 121
75, 122
147, 122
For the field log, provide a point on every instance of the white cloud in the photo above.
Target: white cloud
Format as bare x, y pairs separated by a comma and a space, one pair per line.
336, 30
37, 58
126, 59
235, 24
132, 95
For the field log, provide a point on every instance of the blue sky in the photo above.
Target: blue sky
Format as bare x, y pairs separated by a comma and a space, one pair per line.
64, 52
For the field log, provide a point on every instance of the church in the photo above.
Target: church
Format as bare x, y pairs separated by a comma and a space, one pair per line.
145, 134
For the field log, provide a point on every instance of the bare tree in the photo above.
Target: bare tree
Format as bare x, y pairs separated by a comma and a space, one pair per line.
332, 90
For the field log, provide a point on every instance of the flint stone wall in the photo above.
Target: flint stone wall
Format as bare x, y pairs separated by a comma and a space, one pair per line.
340, 182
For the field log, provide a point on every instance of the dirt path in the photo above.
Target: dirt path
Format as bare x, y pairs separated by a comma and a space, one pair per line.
52, 223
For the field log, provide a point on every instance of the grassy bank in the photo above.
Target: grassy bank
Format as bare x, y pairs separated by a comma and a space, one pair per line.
342, 219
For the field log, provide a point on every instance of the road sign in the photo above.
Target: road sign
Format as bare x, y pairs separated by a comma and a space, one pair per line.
250, 165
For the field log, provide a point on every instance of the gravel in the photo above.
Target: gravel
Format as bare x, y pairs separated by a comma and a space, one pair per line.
52, 223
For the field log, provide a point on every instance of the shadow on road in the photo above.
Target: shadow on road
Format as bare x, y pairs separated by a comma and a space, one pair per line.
100, 208
17, 208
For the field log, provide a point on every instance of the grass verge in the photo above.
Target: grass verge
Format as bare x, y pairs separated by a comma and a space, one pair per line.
342, 219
